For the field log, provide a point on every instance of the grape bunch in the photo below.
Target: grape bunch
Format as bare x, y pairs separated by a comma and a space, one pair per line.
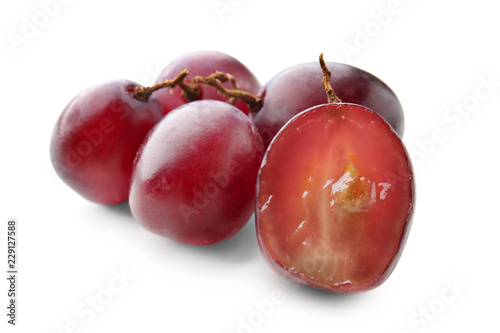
315, 153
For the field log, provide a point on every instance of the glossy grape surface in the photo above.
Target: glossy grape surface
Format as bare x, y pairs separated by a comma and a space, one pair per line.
300, 87
204, 63
335, 199
194, 179
96, 138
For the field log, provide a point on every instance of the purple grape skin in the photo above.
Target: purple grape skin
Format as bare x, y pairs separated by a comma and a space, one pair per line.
300, 87
194, 177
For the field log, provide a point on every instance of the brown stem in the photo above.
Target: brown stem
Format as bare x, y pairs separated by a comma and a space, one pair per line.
216, 79
190, 91
327, 74
232, 100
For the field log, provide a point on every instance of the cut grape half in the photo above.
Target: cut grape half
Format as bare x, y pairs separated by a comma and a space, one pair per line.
335, 199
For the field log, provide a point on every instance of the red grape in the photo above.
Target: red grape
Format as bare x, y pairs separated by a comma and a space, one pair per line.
96, 138
335, 199
204, 63
300, 87
194, 178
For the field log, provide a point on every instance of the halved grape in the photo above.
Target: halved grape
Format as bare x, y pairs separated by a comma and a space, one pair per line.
335, 199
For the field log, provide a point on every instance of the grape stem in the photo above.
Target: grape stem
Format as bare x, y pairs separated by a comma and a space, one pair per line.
327, 74
218, 78
190, 91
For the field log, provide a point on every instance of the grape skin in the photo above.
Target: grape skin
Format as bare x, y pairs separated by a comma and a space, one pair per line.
204, 63
96, 138
194, 179
300, 87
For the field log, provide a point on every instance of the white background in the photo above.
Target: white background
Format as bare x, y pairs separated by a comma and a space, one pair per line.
434, 54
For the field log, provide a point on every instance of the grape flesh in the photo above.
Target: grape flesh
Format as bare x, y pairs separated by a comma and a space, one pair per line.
335, 199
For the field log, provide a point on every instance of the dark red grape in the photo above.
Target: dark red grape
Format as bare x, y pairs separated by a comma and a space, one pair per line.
300, 87
204, 63
194, 178
335, 199
96, 138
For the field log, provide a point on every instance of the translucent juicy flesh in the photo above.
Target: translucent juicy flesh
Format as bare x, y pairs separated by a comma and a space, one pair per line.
334, 197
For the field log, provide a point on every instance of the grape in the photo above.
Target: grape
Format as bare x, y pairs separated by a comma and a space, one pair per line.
204, 63
96, 138
335, 199
300, 87
194, 178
